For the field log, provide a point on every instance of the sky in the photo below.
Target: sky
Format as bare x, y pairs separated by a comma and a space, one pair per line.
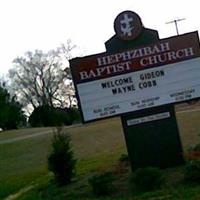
27, 25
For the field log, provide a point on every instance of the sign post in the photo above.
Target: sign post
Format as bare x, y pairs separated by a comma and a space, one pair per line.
139, 78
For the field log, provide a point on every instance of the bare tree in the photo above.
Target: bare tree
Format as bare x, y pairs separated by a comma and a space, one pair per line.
39, 78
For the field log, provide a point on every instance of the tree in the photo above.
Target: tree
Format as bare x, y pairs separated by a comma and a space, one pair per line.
61, 160
11, 115
38, 79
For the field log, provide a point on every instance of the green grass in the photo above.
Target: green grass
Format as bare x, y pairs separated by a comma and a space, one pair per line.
21, 163
97, 147
24, 161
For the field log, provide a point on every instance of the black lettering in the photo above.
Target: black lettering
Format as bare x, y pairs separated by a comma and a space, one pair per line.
104, 85
114, 91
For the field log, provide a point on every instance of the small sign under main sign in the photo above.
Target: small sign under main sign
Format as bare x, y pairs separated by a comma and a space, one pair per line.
149, 118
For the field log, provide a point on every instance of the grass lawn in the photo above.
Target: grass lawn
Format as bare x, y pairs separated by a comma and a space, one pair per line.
97, 147
22, 162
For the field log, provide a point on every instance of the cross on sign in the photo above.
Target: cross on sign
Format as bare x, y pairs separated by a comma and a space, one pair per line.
128, 25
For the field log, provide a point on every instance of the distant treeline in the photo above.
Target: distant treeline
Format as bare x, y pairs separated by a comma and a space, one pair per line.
50, 116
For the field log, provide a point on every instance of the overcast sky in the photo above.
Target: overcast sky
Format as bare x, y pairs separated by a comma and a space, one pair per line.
27, 25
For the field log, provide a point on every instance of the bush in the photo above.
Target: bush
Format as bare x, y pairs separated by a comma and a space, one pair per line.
49, 116
148, 178
193, 153
102, 184
44, 116
61, 160
192, 171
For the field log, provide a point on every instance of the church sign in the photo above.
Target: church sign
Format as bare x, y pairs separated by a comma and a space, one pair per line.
162, 73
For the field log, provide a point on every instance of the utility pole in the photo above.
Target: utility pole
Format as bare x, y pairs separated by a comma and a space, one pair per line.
176, 23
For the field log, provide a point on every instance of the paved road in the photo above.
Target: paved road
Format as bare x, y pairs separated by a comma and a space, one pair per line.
8, 141
11, 140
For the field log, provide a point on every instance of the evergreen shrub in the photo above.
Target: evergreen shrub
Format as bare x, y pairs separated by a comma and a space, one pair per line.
61, 160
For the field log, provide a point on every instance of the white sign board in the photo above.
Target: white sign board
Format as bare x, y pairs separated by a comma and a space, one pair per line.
155, 75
